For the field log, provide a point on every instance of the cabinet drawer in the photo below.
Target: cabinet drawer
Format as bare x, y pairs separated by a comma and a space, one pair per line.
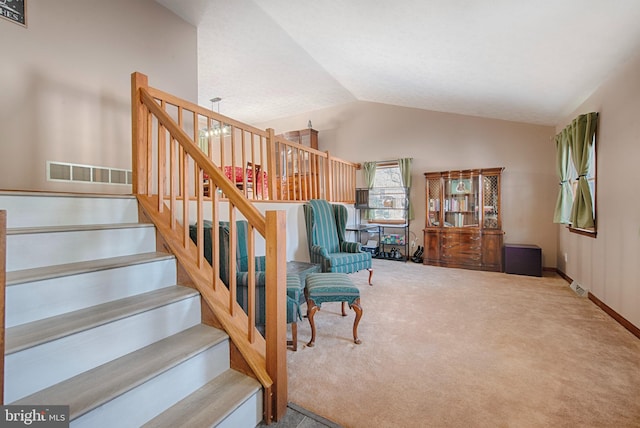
462, 253
462, 248
462, 257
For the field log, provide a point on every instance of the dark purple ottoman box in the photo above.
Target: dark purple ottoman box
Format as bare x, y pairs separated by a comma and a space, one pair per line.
523, 259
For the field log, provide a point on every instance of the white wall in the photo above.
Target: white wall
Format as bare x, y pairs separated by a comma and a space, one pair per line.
608, 264
65, 84
363, 131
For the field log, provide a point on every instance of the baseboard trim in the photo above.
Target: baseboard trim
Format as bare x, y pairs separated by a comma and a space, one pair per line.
564, 276
599, 303
616, 316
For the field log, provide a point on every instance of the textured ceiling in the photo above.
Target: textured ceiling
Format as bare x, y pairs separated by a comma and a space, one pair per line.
508, 59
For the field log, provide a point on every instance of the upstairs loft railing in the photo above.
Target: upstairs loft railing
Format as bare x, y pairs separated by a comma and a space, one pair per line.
169, 170
261, 165
302, 173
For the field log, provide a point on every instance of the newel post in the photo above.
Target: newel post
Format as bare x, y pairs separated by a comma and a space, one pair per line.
138, 146
276, 309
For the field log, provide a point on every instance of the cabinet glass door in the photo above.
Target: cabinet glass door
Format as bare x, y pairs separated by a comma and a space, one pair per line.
433, 202
490, 202
461, 202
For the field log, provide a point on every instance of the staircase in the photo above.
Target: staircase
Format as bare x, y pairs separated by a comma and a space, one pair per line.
95, 320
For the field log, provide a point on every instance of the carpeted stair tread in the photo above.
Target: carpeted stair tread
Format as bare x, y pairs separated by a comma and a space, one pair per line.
56, 271
209, 405
74, 228
42, 331
97, 386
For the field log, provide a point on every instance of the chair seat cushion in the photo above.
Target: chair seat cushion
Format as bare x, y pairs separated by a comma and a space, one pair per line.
347, 262
331, 287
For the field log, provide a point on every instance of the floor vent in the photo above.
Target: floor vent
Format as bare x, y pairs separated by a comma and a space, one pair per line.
62, 171
579, 290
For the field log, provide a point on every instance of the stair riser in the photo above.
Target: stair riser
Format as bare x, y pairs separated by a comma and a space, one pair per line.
41, 366
248, 414
26, 251
33, 211
147, 400
43, 299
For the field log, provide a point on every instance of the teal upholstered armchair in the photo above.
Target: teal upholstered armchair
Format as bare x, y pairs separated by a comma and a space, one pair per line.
326, 229
294, 288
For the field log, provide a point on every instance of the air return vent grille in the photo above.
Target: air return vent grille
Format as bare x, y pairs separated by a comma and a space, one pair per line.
578, 289
62, 171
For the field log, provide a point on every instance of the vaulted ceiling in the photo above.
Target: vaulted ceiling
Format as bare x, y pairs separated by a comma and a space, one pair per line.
515, 60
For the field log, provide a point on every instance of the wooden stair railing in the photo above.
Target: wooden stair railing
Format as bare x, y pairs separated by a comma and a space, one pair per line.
169, 182
3, 284
261, 165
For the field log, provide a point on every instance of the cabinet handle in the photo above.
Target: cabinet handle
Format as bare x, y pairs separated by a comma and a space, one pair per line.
475, 258
475, 238
476, 248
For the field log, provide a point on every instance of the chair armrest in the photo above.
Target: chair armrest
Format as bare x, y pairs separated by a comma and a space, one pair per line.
350, 247
321, 251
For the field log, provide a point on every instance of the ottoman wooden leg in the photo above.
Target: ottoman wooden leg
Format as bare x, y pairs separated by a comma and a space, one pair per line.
358, 310
344, 309
311, 311
370, 275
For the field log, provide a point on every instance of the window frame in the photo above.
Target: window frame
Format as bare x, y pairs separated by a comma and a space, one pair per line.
381, 166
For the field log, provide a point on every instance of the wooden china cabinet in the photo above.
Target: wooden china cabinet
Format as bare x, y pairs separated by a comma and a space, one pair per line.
299, 176
463, 219
306, 137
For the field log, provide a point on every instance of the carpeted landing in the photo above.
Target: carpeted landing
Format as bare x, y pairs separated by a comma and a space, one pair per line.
457, 348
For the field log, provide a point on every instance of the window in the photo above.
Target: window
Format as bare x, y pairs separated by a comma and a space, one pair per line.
387, 195
388, 175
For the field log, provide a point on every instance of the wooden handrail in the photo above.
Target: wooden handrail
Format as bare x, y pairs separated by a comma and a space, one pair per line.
248, 210
3, 284
175, 101
169, 169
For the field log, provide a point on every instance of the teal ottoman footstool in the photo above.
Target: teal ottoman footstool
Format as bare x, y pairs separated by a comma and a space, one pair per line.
331, 287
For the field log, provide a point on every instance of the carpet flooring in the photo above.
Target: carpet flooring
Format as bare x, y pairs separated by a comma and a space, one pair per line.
448, 347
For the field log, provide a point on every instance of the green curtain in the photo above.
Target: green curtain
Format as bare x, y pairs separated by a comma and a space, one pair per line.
583, 129
369, 169
405, 172
565, 195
